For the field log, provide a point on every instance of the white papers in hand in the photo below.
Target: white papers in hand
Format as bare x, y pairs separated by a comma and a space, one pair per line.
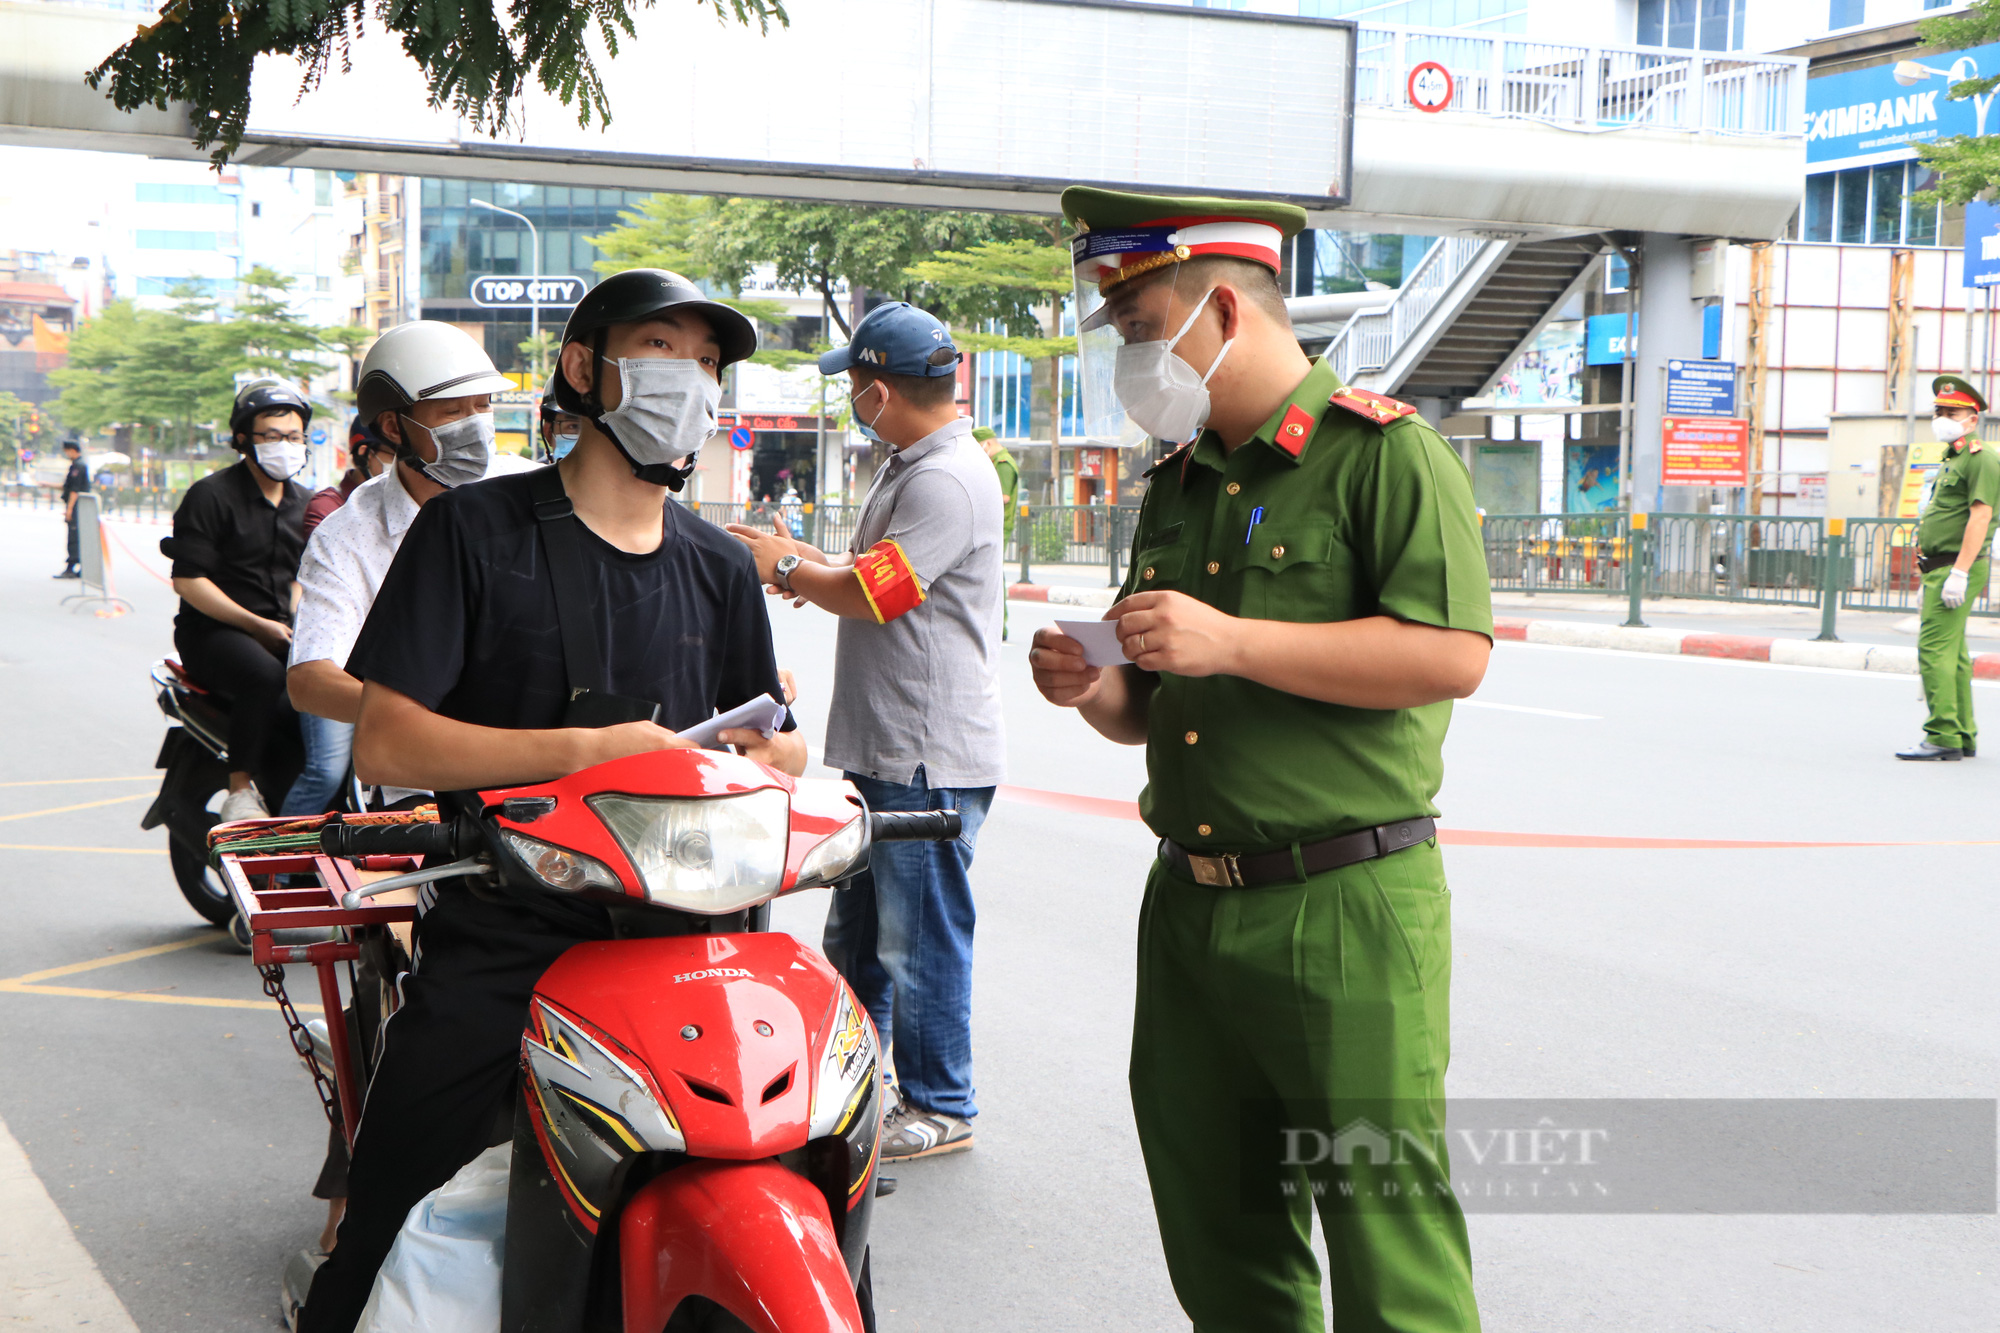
762, 713
1099, 639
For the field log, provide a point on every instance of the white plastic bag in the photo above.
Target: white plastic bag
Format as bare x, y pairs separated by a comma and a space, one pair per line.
443, 1273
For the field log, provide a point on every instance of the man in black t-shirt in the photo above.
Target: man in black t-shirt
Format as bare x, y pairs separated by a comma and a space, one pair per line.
75, 482
238, 535
465, 686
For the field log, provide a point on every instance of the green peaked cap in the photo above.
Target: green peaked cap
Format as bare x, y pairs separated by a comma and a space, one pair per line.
1945, 384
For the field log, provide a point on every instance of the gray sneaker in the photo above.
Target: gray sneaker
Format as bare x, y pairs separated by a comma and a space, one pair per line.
910, 1132
299, 1270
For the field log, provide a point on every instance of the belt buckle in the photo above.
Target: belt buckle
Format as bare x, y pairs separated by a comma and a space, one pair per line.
1221, 872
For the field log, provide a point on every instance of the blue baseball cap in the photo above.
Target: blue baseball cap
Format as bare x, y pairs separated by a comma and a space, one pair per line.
898, 339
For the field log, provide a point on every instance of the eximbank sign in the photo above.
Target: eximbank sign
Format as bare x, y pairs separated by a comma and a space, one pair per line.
1882, 114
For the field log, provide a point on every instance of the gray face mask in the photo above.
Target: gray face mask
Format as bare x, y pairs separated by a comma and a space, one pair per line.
667, 411
464, 447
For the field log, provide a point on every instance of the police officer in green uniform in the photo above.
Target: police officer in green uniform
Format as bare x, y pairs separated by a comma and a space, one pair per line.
1308, 593
1010, 489
1954, 534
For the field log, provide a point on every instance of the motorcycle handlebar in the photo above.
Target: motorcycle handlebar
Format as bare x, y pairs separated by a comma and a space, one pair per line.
913, 825
358, 840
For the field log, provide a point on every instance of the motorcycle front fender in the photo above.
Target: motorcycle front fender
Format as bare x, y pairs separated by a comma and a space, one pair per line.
753, 1237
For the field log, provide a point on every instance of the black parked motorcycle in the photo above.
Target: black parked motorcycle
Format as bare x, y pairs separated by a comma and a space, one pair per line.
195, 755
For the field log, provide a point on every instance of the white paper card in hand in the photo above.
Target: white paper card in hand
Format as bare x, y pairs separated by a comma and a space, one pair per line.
1099, 639
762, 713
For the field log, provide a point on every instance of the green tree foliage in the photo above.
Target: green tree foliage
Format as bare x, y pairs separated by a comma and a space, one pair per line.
1966, 164
818, 247
1000, 281
13, 429
171, 372
477, 57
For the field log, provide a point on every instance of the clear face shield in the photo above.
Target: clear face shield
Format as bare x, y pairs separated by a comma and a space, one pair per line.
1098, 339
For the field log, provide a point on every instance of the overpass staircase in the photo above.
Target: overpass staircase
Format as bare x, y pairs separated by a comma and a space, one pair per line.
1463, 315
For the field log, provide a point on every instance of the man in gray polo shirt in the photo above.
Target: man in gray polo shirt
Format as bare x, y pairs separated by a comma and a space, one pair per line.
915, 719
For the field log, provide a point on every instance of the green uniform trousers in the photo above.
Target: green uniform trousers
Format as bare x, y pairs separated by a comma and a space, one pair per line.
1315, 1004
1944, 661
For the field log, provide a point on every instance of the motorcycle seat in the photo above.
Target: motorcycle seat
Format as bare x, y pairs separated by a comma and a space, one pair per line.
182, 677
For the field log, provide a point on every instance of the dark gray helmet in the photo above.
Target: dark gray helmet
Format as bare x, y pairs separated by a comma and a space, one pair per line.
253, 400
635, 294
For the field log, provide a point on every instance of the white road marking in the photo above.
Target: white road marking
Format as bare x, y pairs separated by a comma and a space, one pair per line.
1907, 678
48, 1281
1523, 708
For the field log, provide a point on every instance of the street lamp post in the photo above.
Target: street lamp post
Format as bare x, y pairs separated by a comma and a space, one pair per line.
534, 292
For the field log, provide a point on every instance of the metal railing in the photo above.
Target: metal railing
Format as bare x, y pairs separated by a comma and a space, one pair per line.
1370, 337
1498, 74
1557, 552
1879, 569
1736, 558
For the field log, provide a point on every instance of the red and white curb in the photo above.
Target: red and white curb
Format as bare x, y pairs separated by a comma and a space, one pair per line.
1894, 659
1737, 647
1042, 592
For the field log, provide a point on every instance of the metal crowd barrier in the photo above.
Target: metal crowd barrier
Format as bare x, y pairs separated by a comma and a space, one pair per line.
1736, 558
1879, 569
1557, 552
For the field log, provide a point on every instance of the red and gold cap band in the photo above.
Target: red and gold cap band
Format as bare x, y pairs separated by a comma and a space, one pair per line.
1113, 255
887, 581
1957, 398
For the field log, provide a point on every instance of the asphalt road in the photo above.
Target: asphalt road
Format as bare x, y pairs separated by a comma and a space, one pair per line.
179, 1141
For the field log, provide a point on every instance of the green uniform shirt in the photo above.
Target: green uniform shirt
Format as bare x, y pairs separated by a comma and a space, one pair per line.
1969, 473
1010, 486
1368, 519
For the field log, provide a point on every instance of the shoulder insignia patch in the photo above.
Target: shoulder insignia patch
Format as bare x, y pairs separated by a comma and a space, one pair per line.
1295, 430
1376, 407
1177, 456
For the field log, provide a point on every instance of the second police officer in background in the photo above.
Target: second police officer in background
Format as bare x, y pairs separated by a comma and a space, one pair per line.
1308, 592
1954, 534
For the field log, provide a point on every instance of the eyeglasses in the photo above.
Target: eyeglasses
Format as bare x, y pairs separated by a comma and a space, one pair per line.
277, 437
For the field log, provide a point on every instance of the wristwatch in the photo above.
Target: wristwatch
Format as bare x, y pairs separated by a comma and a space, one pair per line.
783, 571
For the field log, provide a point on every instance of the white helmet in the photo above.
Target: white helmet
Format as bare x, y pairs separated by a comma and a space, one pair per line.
421, 360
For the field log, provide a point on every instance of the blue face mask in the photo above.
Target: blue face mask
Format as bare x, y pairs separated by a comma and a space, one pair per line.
868, 430
564, 443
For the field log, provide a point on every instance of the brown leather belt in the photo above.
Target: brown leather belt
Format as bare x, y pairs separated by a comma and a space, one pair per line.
1256, 869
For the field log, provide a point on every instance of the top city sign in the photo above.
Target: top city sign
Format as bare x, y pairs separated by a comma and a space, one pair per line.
502, 292
1883, 113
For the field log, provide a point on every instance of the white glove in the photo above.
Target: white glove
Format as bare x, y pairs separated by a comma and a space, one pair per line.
1953, 592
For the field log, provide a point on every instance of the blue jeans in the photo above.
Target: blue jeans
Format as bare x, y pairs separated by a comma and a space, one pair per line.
902, 936
329, 747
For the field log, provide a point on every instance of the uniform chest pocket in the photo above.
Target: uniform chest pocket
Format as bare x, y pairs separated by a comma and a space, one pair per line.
1298, 572
1158, 567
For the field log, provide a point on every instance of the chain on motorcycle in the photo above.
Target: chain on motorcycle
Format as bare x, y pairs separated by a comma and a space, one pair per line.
301, 1038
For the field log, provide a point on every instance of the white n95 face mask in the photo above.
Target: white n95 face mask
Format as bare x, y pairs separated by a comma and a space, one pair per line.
1161, 392
668, 409
281, 462
465, 449
1947, 429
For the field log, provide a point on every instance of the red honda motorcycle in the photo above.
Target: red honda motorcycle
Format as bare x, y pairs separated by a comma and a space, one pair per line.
696, 1130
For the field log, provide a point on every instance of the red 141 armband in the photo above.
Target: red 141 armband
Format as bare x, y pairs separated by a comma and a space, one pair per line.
887, 581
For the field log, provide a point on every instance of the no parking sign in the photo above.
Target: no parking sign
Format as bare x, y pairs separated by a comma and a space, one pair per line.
742, 437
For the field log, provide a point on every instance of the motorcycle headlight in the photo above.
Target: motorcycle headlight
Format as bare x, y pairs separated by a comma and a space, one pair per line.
833, 860
560, 868
710, 856
848, 1071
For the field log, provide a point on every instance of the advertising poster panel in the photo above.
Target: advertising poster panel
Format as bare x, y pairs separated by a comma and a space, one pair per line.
1704, 451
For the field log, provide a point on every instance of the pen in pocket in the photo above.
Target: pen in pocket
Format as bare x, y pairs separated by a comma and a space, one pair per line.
1256, 517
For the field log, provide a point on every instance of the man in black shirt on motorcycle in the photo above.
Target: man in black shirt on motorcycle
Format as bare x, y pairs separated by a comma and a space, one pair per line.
466, 686
238, 535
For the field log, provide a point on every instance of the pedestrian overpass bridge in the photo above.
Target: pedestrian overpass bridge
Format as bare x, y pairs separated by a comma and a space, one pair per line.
994, 104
